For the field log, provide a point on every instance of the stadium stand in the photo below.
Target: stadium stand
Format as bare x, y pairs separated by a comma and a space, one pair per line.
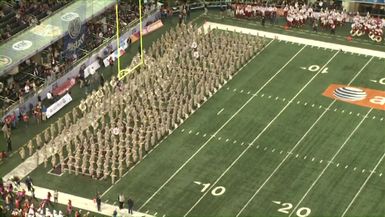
18, 15
33, 75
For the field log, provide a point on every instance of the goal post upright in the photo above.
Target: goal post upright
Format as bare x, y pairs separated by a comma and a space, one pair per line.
117, 34
124, 72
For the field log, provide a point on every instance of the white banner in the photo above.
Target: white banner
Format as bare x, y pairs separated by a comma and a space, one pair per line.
58, 105
91, 69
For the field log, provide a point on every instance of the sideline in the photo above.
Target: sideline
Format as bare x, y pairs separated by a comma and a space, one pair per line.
298, 40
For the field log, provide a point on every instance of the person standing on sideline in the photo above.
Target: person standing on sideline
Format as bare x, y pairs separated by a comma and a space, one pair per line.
28, 182
121, 200
9, 144
55, 196
49, 195
33, 193
205, 9
130, 204
263, 20
69, 208
98, 201
102, 80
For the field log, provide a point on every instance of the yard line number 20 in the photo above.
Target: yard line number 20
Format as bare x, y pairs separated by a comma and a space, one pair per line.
286, 208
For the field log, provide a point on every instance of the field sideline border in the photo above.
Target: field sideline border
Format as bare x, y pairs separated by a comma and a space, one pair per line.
298, 40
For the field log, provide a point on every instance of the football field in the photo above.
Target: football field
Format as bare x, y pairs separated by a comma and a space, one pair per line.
268, 143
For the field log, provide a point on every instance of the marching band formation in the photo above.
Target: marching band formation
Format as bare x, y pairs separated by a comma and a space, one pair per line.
115, 127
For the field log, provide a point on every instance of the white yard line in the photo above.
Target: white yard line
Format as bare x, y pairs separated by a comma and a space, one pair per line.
330, 161
363, 185
259, 135
299, 141
213, 136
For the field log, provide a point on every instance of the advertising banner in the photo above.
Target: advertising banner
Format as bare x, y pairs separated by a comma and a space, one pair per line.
54, 108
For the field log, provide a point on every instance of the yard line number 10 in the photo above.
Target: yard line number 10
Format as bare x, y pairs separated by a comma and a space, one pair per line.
216, 191
286, 208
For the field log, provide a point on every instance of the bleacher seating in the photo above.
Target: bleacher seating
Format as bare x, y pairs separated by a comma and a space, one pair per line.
18, 15
13, 85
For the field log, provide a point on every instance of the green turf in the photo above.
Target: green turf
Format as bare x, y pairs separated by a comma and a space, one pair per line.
296, 175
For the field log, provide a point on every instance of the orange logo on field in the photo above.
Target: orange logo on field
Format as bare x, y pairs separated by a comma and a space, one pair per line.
357, 95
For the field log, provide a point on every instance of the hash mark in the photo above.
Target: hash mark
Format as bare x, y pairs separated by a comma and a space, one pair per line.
273, 150
355, 168
296, 156
235, 89
241, 91
197, 134
235, 141
321, 161
338, 164
265, 149
248, 92
281, 152
298, 102
343, 111
219, 138
269, 97
220, 111
312, 105
257, 146
374, 117
227, 140
190, 132
346, 166
182, 130
305, 157
380, 174
312, 159
305, 103
242, 143
262, 95
363, 170
204, 135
